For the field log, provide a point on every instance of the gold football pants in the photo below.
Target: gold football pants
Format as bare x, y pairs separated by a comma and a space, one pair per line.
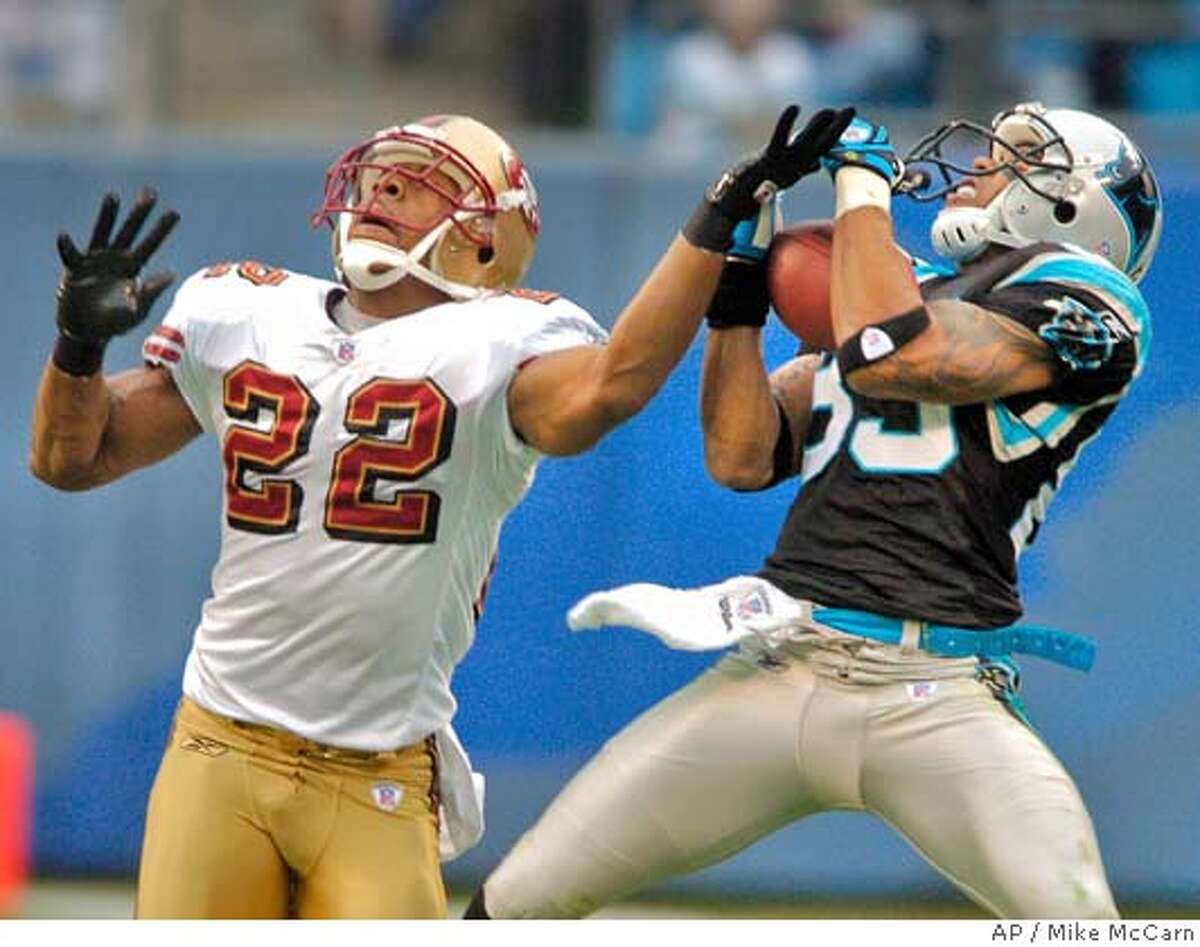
246, 821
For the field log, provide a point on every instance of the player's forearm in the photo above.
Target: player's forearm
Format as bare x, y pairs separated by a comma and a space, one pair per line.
69, 419
871, 279
738, 413
563, 403
655, 329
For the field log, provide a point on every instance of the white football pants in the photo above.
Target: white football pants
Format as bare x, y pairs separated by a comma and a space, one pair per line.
759, 741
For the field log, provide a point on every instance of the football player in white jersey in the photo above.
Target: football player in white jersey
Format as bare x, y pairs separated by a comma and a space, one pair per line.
374, 433
874, 668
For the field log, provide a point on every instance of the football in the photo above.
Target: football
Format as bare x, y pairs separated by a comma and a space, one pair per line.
798, 264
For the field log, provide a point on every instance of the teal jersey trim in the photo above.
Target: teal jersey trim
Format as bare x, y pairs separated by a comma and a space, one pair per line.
923, 270
1013, 431
1056, 419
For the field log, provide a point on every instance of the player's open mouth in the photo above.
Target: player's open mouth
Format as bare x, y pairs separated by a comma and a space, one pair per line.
373, 228
963, 194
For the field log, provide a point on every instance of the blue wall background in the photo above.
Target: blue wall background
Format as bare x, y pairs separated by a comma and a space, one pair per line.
100, 592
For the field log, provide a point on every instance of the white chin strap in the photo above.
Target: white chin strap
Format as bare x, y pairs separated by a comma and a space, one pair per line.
369, 265
962, 233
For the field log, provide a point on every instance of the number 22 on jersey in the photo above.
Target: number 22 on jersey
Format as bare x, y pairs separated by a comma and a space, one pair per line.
923, 442
418, 411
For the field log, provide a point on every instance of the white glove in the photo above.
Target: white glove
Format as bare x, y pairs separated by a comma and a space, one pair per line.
702, 619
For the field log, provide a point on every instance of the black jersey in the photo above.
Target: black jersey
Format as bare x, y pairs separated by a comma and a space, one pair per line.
920, 510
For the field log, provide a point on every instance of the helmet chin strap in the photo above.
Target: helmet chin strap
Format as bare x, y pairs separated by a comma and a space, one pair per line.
357, 259
960, 234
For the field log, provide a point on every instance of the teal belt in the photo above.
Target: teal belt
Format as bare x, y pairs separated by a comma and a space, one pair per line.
1062, 647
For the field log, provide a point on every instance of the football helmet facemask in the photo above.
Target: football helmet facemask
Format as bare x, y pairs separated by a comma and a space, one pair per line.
1075, 179
483, 240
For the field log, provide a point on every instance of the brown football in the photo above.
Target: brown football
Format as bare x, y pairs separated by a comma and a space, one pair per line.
798, 265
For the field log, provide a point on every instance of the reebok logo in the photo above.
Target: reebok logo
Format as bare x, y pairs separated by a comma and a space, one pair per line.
726, 612
205, 746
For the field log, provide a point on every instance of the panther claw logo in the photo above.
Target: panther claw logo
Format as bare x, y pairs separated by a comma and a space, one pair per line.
1080, 336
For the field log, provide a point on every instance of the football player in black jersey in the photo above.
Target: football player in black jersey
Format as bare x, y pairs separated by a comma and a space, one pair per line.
874, 663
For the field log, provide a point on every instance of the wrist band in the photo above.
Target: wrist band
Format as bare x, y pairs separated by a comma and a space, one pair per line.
76, 356
876, 342
858, 187
709, 229
741, 297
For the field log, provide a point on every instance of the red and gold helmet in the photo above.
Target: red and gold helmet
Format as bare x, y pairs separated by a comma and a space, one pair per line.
483, 240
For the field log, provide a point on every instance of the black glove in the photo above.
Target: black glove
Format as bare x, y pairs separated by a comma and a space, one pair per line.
738, 192
100, 294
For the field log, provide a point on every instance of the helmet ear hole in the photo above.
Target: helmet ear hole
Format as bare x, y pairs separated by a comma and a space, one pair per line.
485, 255
1064, 212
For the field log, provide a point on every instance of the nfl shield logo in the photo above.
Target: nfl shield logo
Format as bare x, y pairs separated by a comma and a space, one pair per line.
343, 350
387, 796
753, 604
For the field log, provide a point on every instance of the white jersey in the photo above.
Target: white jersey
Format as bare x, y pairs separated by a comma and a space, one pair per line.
366, 478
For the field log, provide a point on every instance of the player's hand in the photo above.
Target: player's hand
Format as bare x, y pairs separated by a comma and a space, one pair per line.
740, 190
865, 145
741, 297
101, 294
752, 237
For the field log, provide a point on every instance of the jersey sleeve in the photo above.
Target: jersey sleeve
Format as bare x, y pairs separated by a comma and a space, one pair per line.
540, 327
178, 344
1090, 314
564, 325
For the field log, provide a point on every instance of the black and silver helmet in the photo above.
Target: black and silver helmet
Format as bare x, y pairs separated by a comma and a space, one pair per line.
1076, 179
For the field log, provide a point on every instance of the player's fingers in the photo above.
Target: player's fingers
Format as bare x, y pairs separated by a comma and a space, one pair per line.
68, 252
808, 140
155, 237
783, 128
152, 287
104, 221
817, 123
833, 124
843, 119
133, 223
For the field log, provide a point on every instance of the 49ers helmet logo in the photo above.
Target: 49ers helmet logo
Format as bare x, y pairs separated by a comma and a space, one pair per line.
518, 178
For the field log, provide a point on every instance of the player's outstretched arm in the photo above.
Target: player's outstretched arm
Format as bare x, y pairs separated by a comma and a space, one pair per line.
89, 429
563, 403
948, 351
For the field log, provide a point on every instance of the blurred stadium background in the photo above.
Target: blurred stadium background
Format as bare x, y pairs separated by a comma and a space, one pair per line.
233, 108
